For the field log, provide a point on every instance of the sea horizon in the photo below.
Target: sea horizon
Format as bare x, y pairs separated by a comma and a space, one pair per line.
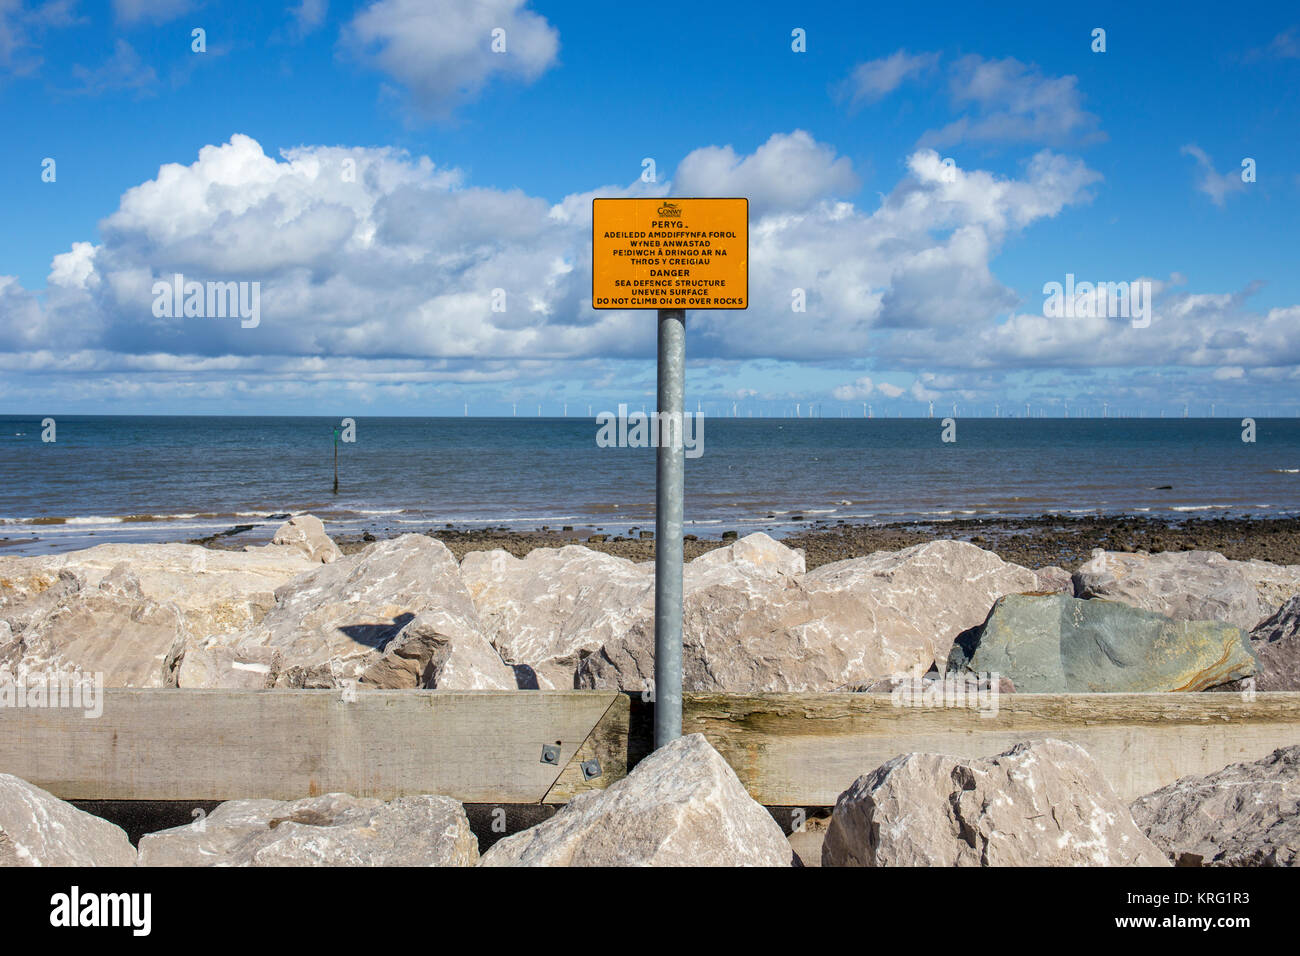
175, 478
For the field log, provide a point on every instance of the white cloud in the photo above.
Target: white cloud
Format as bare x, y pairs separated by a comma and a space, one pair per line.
854, 391
1009, 101
788, 172
441, 50
381, 266
124, 70
21, 27
308, 15
875, 79
1215, 185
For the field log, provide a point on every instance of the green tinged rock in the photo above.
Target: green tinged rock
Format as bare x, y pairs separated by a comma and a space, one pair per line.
1053, 643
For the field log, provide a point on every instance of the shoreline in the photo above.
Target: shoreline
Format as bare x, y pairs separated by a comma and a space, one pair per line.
1030, 542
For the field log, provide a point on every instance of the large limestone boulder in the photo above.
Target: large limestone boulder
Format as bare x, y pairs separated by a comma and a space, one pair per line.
1042, 803
917, 599
332, 830
1189, 585
336, 624
215, 591
1276, 643
1247, 814
1055, 644
681, 806
436, 650
39, 829
544, 611
752, 626
306, 533
109, 628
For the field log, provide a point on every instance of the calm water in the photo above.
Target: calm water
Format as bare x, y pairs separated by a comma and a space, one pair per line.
172, 478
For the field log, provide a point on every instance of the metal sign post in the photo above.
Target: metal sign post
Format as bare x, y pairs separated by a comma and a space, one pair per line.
669, 255
669, 494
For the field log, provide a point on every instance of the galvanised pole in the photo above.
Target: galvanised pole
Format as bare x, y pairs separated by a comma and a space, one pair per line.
669, 488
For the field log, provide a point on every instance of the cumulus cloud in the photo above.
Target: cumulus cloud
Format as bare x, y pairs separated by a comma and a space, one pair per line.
383, 270
1214, 184
876, 79
788, 172
369, 252
854, 391
441, 50
1009, 101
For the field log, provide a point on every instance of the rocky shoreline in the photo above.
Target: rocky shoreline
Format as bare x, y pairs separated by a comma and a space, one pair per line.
1031, 542
439, 611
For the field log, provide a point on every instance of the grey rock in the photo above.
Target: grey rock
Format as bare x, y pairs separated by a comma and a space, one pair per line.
1276, 643
336, 829
39, 829
1042, 803
1057, 644
1247, 814
680, 806
1052, 579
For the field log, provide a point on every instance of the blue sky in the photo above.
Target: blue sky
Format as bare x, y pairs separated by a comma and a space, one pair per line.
476, 171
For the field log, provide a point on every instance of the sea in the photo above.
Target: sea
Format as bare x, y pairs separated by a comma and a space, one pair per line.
141, 478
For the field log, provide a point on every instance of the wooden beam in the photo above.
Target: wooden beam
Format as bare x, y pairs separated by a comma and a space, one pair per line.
607, 744
806, 749
485, 747
482, 747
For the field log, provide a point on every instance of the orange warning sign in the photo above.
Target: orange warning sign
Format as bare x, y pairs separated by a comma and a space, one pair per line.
669, 253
